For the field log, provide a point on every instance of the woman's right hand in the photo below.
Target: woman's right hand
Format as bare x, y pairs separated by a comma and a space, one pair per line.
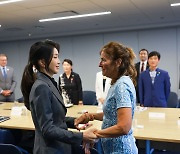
89, 135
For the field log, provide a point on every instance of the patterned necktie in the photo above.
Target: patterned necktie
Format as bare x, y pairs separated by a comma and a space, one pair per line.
142, 67
4, 73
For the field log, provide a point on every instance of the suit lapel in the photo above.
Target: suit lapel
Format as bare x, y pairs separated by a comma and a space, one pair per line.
157, 75
1, 74
148, 75
7, 71
52, 87
147, 67
56, 92
138, 68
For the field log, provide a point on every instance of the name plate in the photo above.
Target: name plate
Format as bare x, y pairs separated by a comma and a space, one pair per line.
156, 115
178, 123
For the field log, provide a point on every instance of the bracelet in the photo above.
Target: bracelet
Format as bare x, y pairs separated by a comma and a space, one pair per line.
89, 115
92, 117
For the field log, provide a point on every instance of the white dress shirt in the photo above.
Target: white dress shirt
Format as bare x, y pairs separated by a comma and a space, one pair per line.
99, 86
145, 65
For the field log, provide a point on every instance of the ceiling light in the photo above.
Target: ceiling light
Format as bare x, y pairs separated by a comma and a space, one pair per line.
75, 16
175, 4
9, 1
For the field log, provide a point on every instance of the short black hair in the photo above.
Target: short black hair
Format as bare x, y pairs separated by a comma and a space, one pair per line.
154, 53
68, 61
144, 50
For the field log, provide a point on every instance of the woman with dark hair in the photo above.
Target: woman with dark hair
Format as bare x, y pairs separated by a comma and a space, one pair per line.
118, 109
70, 83
42, 97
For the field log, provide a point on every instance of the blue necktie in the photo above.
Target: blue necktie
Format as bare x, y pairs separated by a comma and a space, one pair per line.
4, 73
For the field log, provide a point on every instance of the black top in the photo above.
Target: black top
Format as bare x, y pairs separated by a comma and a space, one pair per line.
52, 80
72, 86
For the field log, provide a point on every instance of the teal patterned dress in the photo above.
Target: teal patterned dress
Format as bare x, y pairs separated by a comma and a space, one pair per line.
121, 94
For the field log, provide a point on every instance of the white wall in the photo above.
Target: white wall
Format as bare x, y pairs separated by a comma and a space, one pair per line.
84, 52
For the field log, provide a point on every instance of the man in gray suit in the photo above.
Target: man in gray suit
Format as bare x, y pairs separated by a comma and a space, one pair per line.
7, 81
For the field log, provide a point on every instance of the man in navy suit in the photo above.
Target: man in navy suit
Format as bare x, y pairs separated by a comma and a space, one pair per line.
154, 84
141, 66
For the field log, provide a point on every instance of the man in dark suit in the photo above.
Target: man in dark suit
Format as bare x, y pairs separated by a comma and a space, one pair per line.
141, 66
154, 84
7, 81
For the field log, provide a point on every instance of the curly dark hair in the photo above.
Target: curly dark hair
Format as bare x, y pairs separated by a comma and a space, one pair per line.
115, 51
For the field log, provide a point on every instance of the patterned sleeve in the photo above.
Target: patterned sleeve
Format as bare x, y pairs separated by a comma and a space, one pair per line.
122, 95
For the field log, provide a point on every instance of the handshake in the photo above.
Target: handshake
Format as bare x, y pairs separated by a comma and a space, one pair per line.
90, 134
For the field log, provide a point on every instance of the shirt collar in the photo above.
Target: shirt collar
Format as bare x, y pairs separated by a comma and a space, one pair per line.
52, 79
145, 62
3, 67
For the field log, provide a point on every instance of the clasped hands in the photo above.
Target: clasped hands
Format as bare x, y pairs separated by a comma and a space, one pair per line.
89, 136
6, 92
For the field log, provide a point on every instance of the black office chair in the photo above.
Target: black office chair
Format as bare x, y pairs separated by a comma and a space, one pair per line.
10, 137
89, 98
20, 100
9, 149
172, 100
6, 136
179, 103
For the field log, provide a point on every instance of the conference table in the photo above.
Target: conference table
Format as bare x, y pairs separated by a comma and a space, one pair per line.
157, 124
150, 124
24, 121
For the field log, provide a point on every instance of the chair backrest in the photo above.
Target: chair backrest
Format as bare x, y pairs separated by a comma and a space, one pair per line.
172, 100
178, 103
89, 98
20, 100
6, 136
9, 149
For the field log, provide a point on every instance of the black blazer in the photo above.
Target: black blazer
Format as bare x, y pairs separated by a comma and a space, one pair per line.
137, 66
72, 86
48, 114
